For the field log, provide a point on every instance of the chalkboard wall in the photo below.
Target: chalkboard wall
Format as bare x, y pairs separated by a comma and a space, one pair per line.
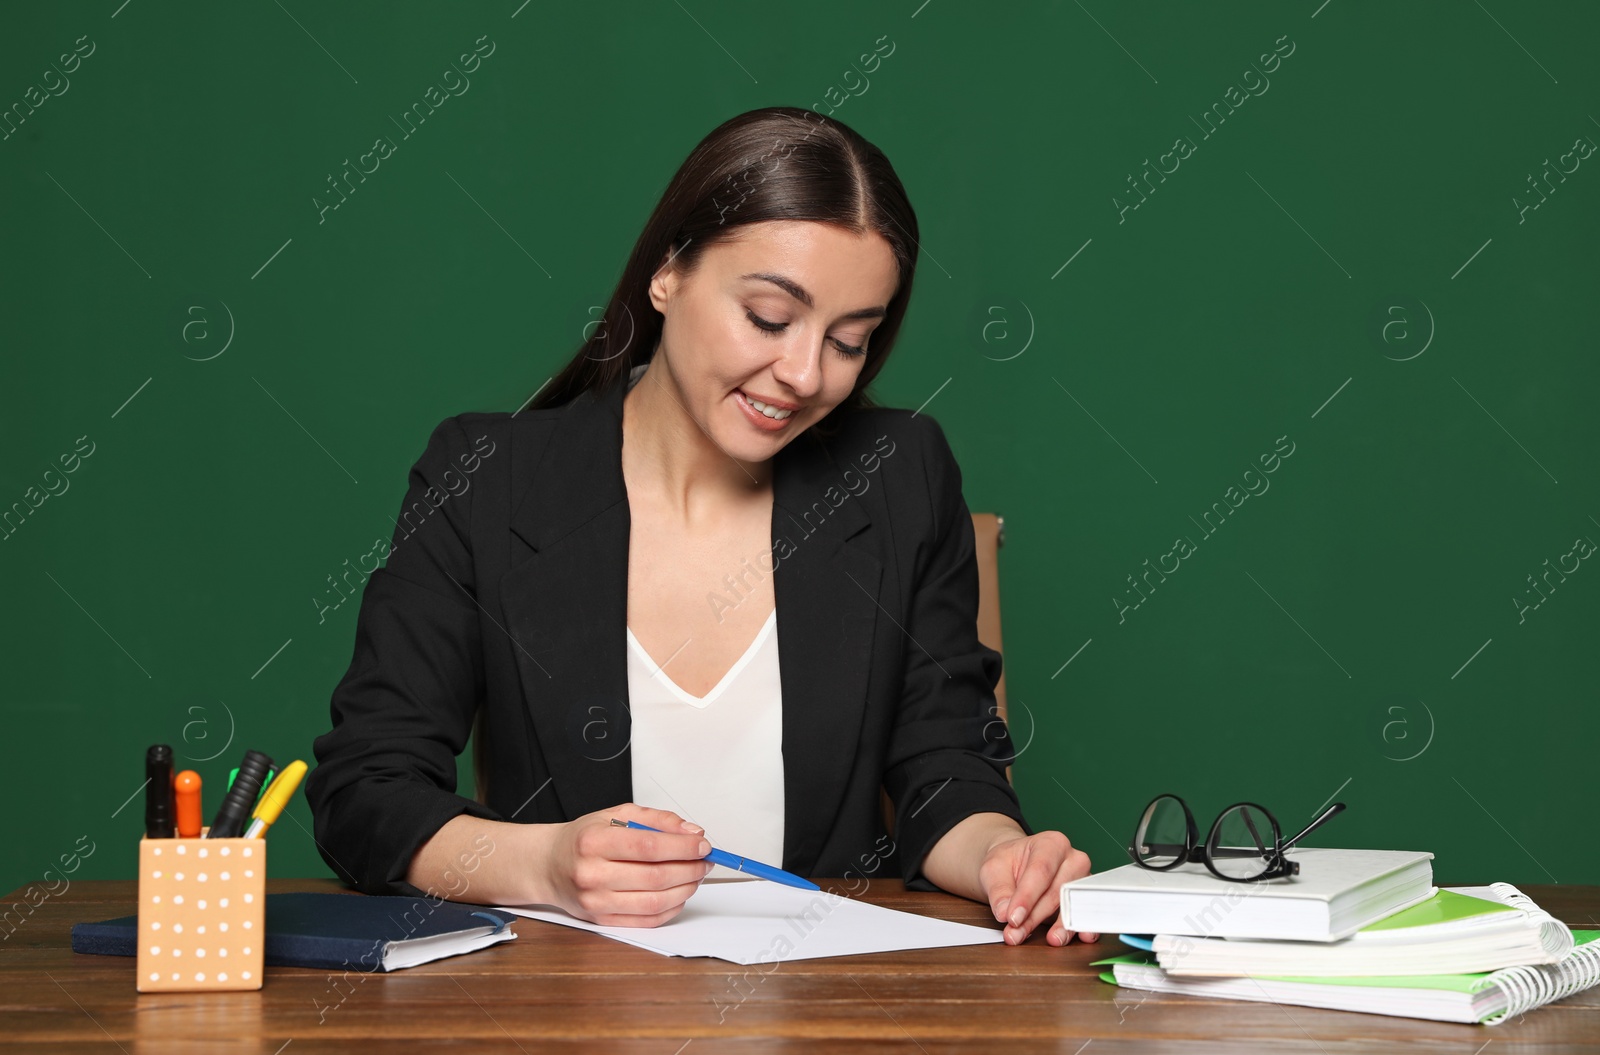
1268, 329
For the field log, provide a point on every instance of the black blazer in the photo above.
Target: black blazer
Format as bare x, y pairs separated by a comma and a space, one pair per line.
505, 592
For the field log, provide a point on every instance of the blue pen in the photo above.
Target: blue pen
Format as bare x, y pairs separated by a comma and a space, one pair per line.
738, 864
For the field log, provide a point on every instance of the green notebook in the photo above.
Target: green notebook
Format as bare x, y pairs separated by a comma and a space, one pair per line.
1446, 906
1450, 933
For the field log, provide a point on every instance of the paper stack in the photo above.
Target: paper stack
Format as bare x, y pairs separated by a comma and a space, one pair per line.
1466, 954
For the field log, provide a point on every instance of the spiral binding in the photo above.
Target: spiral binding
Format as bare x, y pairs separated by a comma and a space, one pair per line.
1555, 936
1535, 985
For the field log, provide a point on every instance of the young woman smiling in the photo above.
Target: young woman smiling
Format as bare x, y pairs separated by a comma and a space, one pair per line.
561, 603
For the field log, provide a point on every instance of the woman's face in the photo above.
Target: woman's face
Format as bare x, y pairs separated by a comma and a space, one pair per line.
781, 316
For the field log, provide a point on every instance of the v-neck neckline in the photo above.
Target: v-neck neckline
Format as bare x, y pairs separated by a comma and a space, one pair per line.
710, 697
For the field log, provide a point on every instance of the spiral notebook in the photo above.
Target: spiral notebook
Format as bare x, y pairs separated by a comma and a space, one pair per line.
1489, 998
1450, 933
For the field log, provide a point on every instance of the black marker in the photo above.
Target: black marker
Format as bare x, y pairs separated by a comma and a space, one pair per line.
158, 813
241, 797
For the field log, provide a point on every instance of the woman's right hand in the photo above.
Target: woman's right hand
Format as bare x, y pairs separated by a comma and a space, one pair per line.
624, 877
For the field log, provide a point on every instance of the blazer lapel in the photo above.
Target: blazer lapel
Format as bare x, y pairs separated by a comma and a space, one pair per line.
566, 609
827, 601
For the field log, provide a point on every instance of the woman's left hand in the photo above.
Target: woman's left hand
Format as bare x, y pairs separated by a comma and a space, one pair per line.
1021, 878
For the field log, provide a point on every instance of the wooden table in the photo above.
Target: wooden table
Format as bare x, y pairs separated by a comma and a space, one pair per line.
559, 989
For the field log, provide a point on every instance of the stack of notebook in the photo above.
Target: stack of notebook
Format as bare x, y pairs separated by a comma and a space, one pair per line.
1462, 954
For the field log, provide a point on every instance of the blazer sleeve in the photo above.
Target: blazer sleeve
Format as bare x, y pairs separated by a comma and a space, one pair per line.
385, 778
949, 748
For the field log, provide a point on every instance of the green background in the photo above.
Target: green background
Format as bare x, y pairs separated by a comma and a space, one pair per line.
1351, 631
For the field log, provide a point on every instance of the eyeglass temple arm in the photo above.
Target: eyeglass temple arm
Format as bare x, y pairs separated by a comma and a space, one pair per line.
1327, 815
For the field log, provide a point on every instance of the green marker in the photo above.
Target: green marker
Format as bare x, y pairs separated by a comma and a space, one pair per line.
234, 772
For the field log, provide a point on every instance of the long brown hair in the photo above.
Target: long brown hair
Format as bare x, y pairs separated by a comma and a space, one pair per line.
775, 163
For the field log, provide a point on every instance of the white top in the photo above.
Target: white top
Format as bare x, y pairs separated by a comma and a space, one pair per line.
717, 759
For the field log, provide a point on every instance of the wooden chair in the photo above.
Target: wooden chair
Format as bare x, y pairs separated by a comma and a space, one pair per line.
989, 532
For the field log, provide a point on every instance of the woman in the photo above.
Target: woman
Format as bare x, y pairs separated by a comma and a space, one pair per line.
701, 577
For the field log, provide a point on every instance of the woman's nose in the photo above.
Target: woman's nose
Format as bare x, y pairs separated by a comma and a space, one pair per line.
800, 370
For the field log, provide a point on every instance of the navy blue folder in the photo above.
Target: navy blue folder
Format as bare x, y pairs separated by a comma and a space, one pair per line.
351, 932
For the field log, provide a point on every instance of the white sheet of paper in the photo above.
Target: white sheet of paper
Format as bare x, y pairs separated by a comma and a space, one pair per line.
753, 921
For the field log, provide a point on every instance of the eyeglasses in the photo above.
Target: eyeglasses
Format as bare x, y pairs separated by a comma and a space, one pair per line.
1245, 844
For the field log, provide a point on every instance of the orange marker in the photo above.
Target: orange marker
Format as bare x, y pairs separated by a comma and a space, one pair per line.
187, 788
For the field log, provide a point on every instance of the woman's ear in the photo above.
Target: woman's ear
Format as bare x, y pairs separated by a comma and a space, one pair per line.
664, 283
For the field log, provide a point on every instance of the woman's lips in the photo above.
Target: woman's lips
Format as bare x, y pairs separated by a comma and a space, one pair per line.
758, 419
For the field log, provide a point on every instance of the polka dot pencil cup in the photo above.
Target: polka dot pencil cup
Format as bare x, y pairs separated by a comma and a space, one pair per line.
202, 906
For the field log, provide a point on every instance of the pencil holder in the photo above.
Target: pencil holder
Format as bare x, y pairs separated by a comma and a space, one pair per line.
202, 910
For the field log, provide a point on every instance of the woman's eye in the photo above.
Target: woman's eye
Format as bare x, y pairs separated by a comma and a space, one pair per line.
772, 329
763, 325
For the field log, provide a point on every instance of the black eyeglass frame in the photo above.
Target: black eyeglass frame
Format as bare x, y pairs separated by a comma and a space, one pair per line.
1276, 865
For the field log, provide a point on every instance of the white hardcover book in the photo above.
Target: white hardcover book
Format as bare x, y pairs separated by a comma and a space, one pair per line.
1336, 893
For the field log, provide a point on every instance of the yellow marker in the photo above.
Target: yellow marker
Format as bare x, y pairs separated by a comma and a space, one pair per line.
276, 798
